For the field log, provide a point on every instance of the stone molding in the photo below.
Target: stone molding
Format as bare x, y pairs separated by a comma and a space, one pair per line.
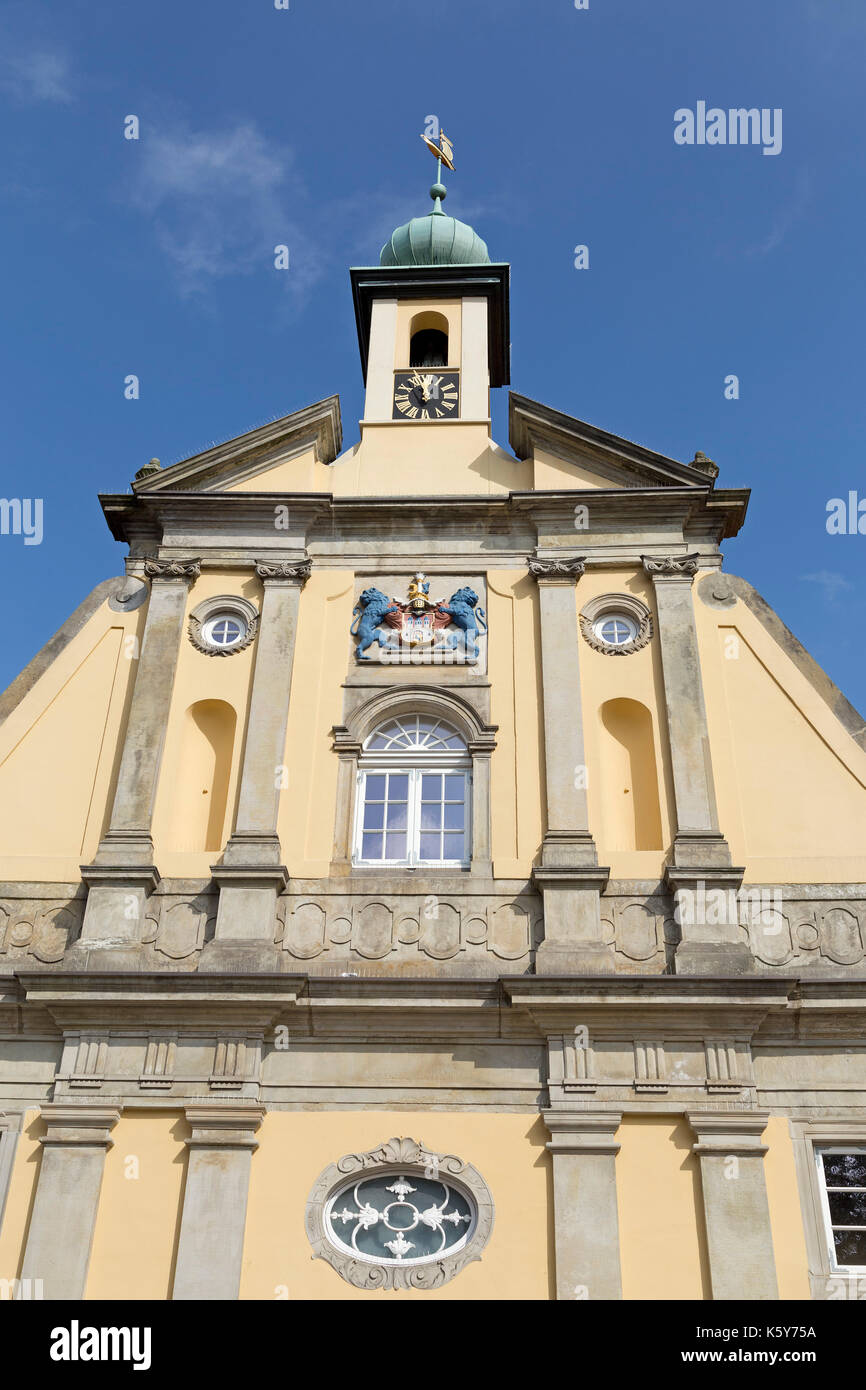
224, 1126
76, 1125
583, 1131
288, 571
729, 1132
568, 568
398, 1155
172, 569
625, 603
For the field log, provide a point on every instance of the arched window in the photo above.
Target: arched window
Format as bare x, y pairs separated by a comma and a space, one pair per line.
414, 795
428, 340
429, 348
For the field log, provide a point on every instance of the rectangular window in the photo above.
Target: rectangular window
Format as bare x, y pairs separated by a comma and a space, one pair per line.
413, 816
842, 1178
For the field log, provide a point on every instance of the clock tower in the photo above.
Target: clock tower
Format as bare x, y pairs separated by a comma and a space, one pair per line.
433, 327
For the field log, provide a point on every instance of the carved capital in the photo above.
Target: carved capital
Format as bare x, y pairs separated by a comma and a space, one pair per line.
172, 569
670, 566
570, 567
290, 571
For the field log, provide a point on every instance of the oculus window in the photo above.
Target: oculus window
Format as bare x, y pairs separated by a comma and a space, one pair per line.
414, 785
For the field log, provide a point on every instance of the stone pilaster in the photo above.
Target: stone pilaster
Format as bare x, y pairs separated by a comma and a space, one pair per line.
252, 874
123, 872
736, 1213
586, 1221
569, 876
701, 861
67, 1196
211, 1244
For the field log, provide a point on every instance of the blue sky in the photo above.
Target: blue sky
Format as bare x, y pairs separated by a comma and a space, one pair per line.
262, 126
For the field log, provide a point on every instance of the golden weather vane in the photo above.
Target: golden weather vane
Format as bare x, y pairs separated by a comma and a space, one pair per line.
444, 151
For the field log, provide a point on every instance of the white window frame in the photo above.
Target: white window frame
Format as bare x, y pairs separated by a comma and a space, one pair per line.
414, 768
819, 1151
413, 829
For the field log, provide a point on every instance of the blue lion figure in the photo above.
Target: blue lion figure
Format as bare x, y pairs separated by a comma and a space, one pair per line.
368, 614
465, 614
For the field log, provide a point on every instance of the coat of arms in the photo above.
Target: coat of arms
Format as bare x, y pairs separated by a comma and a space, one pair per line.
419, 628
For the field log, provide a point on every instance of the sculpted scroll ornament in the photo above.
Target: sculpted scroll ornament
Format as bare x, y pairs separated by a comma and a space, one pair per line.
172, 569
404, 1159
571, 567
670, 566
297, 570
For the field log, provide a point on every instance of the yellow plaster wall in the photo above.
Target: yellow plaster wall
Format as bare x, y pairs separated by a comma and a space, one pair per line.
636, 677
553, 473
294, 1148
790, 781
786, 1219
307, 805
19, 1199
138, 1221
200, 676
408, 309
417, 458
292, 474
514, 665
60, 750
661, 1233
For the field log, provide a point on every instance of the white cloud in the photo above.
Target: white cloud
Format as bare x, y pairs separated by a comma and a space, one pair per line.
219, 201
38, 74
831, 582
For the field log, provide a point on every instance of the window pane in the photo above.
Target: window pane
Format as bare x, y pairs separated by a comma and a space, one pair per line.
371, 847
375, 787
430, 847
847, 1208
397, 813
454, 815
453, 846
374, 815
850, 1247
431, 786
395, 846
431, 815
454, 787
398, 786
845, 1170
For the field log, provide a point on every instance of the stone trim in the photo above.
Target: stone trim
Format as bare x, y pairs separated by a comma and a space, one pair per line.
227, 603
395, 1155
10, 1128
446, 704
626, 603
660, 567
809, 1135
736, 1210
583, 1150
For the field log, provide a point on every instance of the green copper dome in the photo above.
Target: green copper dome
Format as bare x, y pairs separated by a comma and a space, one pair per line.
435, 240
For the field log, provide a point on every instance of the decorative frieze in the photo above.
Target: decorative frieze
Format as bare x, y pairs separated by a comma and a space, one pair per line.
649, 1067
159, 1062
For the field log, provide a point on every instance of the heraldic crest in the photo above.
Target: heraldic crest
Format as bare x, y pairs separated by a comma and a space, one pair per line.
419, 628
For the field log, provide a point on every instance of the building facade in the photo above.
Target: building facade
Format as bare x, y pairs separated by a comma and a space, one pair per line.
428, 873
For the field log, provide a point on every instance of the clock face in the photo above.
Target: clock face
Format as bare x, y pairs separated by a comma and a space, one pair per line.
425, 395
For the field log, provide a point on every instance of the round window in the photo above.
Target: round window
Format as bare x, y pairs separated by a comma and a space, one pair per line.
224, 630
615, 629
400, 1218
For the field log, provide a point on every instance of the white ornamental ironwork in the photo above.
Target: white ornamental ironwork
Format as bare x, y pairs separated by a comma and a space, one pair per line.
436, 1218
